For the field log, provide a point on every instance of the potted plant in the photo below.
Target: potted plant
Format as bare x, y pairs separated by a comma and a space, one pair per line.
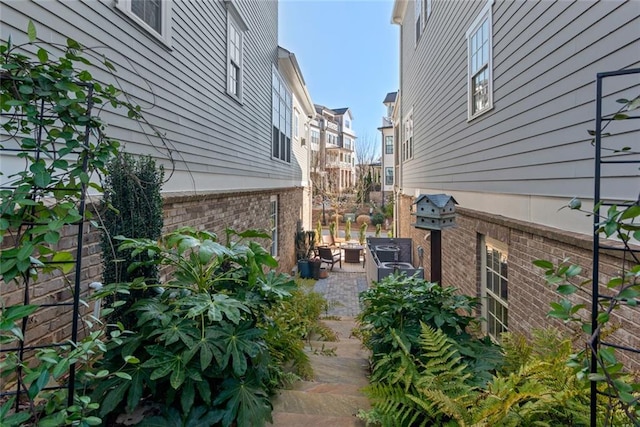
305, 244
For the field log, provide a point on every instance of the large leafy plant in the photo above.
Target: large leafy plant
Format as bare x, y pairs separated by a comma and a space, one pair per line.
200, 338
401, 304
51, 119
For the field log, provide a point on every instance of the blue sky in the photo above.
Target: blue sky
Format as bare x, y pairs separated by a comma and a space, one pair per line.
348, 53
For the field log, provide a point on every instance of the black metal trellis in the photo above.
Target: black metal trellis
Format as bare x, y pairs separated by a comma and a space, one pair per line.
47, 115
601, 201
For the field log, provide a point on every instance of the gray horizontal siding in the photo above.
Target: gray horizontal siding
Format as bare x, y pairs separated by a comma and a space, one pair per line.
535, 140
182, 90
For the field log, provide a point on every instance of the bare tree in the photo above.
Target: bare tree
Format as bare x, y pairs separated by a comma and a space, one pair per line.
367, 167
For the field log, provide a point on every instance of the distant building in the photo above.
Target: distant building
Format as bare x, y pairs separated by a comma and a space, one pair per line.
333, 144
389, 150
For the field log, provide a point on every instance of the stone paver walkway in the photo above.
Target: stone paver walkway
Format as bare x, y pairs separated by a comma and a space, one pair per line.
334, 397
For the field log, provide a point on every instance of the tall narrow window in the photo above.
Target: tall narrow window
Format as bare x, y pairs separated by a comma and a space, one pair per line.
281, 118
235, 29
152, 15
407, 142
480, 80
388, 176
273, 223
495, 307
388, 144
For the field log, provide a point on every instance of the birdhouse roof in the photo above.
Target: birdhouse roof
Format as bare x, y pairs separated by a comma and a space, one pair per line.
439, 200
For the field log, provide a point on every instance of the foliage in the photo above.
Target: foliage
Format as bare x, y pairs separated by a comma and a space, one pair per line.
347, 230
388, 207
362, 235
50, 110
132, 206
377, 218
319, 231
305, 244
363, 219
333, 230
432, 387
400, 304
202, 339
378, 230
294, 320
609, 373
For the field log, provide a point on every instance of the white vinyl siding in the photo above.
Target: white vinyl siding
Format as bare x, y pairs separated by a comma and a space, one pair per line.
152, 15
480, 83
281, 118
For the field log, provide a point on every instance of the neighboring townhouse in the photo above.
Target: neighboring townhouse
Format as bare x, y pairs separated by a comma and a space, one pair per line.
232, 106
497, 101
334, 150
388, 147
303, 113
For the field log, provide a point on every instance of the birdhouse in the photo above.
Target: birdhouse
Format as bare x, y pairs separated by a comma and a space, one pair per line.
435, 211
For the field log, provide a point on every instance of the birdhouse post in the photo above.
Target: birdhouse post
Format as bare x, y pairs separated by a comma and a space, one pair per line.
435, 212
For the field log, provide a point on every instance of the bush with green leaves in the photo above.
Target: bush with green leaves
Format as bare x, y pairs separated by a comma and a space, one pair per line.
400, 304
51, 116
200, 342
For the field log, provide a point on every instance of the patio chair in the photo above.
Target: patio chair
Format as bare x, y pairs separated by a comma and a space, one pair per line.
327, 239
328, 256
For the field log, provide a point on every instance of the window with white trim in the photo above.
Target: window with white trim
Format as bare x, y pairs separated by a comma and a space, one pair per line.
427, 10
480, 68
495, 306
273, 223
407, 141
296, 119
388, 176
152, 15
388, 144
281, 118
235, 40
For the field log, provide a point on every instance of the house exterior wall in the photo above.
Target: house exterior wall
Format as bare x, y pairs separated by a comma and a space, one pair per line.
512, 167
531, 152
215, 142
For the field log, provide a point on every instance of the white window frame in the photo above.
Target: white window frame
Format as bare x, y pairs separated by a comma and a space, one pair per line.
164, 35
236, 27
495, 306
273, 224
477, 63
427, 11
388, 173
407, 137
388, 138
281, 104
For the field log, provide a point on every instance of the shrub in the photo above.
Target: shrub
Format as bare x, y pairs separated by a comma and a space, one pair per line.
377, 218
200, 342
363, 219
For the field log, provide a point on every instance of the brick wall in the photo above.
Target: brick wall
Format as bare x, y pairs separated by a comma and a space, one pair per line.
213, 212
529, 295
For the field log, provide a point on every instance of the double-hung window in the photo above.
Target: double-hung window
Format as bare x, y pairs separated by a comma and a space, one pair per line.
418, 20
495, 306
407, 141
235, 41
152, 15
388, 144
281, 118
480, 67
388, 176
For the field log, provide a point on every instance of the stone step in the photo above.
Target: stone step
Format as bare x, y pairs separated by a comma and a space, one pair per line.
342, 327
284, 419
350, 348
340, 370
325, 404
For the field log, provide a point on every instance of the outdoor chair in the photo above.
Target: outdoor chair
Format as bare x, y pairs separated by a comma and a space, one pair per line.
327, 239
328, 256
